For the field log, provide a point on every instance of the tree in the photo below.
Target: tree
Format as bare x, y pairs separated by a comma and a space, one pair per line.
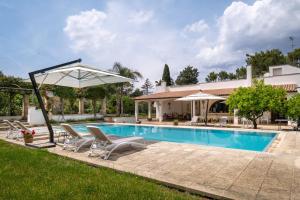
222, 76
147, 86
166, 76
137, 92
95, 93
231, 76
293, 108
261, 61
188, 75
64, 93
253, 101
124, 71
294, 57
241, 73
211, 77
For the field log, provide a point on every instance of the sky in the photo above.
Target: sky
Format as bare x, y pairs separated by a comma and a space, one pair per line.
211, 35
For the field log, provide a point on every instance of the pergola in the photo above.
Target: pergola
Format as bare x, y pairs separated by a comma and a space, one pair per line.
70, 74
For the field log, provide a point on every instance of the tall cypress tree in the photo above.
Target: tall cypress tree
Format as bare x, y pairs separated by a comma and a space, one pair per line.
166, 75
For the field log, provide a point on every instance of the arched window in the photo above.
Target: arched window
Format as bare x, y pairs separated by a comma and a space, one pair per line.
219, 107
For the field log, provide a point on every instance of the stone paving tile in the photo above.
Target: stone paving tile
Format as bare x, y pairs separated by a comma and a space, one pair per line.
240, 192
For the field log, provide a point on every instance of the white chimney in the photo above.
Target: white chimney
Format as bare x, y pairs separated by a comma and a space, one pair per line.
249, 75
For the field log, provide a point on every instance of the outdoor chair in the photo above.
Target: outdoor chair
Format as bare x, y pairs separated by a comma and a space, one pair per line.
108, 146
75, 141
14, 132
223, 121
246, 123
22, 126
194, 121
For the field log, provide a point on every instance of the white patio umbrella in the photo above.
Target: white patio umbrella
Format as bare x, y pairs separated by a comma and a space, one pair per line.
201, 96
70, 74
78, 76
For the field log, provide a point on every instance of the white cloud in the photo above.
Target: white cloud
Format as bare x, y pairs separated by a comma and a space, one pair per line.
197, 27
87, 30
247, 28
141, 17
139, 39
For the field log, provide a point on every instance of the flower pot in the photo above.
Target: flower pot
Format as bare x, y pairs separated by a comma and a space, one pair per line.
28, 139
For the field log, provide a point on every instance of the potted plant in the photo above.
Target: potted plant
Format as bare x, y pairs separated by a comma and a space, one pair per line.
175, 122
28, 135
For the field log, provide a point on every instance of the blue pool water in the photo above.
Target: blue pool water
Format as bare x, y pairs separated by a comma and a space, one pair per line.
254, 141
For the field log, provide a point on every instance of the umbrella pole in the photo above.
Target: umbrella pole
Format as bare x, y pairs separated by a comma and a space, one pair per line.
39, 97
206, 112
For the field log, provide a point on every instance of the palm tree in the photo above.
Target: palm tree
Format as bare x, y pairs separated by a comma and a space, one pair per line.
124, 71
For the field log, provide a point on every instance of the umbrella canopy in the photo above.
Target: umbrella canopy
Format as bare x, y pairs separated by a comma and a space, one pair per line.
200, 96
78, 76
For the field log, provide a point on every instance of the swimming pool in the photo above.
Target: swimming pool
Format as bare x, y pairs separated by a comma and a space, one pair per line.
254, 141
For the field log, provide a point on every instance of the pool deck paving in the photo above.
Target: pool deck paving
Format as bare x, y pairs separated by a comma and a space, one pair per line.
211, 171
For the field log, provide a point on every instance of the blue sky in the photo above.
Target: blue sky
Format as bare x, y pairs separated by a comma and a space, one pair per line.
210, 35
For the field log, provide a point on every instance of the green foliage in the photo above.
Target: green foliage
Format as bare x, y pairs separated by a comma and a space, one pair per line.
64, 92
294, 57
128, 104
222, 76
293, 107
188, 75
147, 86
137, 92
211, 77
166, 75
10, 99
251, 102
96, 92
241, 73
261, 61
124, 88
37, 174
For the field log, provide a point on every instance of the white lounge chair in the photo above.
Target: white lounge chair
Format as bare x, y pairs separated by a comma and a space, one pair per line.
194, 121
22, 126
14, 132
76, 140
108, 146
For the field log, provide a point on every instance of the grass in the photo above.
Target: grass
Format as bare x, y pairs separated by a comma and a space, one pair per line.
37, 174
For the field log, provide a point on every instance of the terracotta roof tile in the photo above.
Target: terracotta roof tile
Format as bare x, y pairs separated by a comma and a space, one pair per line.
218, 92
167, 95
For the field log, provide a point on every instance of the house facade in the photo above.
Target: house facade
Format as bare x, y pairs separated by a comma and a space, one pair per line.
166, 107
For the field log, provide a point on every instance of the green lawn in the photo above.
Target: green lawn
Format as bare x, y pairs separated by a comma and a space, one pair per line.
36, 174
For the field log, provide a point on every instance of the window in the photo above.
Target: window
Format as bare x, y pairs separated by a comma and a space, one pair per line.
277, 71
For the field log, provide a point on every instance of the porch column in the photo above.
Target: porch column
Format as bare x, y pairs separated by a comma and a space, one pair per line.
194, 108
156, 110
81, 106
136, 110
160, 108
25, 106
149, 110
235, 117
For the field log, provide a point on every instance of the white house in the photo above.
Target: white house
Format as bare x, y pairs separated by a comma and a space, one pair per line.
163, 98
